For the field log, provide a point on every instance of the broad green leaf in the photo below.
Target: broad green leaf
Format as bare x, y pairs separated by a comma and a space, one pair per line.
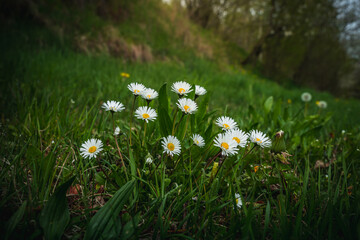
55, 216
130, 227
106, 222
14, 220
268, 104
163, 99
164, 122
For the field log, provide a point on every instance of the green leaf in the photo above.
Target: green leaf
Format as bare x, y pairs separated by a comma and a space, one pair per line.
164, 122
55, 216
163, 99
267, 218
14, 220
202, 109
208, 132
130, 227
106, 222
268, 104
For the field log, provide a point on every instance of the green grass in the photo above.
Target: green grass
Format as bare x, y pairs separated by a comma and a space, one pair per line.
51, 103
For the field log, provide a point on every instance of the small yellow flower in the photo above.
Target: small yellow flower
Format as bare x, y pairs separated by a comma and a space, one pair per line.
256, 168
125, 75
317, 103
289, 101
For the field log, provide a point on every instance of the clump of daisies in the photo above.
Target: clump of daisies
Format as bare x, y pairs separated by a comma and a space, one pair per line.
91, 148
181, 88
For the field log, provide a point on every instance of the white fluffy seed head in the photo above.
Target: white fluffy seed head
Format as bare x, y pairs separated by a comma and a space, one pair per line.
306, 97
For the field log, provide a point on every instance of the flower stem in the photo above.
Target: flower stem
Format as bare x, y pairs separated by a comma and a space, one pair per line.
173, 128
247, 153
178, 124
143, 143
117, 145
131, 116
306, 108
187, 123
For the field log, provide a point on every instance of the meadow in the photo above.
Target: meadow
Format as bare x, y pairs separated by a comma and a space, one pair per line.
52, 102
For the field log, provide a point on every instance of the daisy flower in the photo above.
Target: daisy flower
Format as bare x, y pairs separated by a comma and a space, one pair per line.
260, 138
149, 94
226, 123
306, 97
239, 136
113, 106
199, 91
148, 160
171, 145
227, 144
181, 88
238, 200
146, 113
187, 105
91, 148
136, 88
117, 131
321, 104
198, 140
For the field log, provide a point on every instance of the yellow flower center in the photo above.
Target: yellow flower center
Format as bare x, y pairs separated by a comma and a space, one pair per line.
258, 140
186, 107
225, 145
236, 139
136, 91
197, 142
237, 201
181, 90
226, 126
148, 96
171, 146
92, 149
145, 115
